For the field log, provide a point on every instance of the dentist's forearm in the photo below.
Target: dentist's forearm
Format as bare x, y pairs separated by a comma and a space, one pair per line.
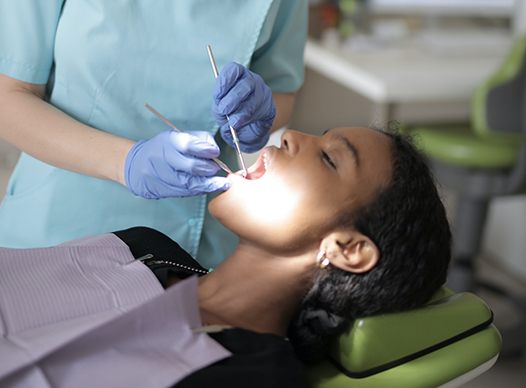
46, 133
284, 103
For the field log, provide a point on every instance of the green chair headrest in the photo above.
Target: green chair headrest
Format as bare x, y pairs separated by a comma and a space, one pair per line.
374, 344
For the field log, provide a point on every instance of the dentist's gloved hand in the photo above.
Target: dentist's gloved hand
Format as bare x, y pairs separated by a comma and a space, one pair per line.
173, 164
247, 100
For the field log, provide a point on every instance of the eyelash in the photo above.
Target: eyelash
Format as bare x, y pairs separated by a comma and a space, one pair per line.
327, 159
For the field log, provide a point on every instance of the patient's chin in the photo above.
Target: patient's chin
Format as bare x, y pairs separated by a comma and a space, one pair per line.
222, 208
214, 206
225, 202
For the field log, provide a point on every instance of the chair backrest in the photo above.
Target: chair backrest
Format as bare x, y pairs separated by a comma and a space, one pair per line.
499, 104
499, 113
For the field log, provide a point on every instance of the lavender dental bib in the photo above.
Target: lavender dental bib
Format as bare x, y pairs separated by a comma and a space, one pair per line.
87, 314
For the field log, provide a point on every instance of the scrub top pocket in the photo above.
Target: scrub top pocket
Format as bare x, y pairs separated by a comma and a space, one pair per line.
23, 185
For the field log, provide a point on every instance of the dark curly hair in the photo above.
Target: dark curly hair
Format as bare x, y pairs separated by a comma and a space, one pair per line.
407, 222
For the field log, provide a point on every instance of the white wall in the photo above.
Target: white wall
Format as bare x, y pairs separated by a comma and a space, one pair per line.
519, 19
506, 232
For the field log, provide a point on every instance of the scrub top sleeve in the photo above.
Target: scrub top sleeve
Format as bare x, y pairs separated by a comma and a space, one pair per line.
280, 59
27, 37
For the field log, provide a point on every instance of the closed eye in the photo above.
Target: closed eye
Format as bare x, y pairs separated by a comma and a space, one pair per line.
327, 160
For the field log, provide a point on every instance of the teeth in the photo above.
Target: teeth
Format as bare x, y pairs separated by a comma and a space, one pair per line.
265, 161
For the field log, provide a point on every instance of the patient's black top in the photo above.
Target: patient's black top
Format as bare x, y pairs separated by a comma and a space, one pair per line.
258, 360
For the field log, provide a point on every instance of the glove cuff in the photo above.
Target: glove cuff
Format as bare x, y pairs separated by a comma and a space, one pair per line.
128, 165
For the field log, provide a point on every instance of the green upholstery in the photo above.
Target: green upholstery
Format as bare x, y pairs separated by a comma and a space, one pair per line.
431, 370
424, 347
478, 145
461, 147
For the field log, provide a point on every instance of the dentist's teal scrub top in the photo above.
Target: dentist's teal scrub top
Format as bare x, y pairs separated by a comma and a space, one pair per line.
102, 60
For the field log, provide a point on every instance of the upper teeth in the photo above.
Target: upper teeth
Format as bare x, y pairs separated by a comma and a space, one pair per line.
265, 161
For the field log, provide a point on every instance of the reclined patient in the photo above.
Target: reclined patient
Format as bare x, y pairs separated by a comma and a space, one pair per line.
344, 225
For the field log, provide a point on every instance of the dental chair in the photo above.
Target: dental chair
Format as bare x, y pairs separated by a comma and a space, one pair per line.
445, 343
480, 162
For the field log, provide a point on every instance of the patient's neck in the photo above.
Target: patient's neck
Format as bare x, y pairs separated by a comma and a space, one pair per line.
255, 290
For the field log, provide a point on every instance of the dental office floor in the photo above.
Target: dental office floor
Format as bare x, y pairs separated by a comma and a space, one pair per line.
507, 373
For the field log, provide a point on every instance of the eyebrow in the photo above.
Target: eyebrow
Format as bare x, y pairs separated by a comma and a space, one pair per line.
354, 151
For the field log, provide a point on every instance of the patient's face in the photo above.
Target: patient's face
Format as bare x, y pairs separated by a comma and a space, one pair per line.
295, 193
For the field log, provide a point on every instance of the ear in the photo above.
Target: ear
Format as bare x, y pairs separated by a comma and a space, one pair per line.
351, 251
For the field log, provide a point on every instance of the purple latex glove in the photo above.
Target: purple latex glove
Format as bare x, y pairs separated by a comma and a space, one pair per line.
247, 100
173, 164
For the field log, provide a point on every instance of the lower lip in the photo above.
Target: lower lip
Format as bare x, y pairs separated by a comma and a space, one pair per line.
265, 154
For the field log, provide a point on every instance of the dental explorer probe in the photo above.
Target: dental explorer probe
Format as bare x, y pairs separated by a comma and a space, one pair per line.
232, 130
220, 163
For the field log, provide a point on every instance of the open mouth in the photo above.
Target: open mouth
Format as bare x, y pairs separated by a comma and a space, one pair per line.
260, 167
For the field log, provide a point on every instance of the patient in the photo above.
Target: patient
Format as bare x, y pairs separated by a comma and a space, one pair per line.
331, 228
345, 225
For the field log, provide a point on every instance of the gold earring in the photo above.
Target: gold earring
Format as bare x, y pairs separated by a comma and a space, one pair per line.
321, 259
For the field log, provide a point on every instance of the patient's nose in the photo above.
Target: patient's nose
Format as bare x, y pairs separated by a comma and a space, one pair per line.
291, 141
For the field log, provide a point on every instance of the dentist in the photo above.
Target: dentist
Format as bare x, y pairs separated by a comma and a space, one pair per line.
74, 76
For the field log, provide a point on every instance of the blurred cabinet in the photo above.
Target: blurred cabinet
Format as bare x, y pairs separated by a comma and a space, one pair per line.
407, 74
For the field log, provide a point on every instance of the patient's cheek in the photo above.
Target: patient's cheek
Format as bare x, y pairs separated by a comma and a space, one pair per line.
273, 206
